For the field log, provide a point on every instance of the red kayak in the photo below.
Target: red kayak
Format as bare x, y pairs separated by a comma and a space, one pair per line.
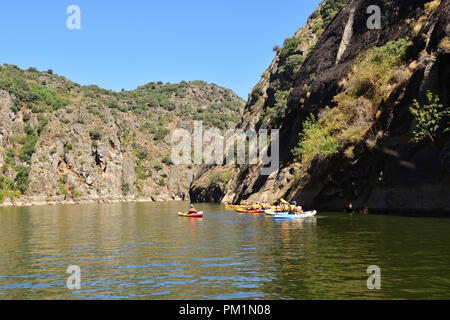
255, 211
194, 215
250, 211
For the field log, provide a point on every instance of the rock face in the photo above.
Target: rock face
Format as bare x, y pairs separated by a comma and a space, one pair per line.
382, 171
61, 142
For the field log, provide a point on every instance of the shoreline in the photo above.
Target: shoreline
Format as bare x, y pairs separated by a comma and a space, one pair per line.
22, 203
38, 203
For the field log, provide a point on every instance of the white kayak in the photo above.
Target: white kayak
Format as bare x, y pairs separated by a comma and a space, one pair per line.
286, 215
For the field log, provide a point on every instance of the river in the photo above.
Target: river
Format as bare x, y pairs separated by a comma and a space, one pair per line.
145, 251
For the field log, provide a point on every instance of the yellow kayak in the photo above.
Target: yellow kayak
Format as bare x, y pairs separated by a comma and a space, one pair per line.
255, 211
234, 207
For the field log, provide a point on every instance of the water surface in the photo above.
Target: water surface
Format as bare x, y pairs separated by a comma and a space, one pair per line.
145, 251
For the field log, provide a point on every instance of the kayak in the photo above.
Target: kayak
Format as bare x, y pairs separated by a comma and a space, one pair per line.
250, 211
234, 207
195, 215
286, 215
255, 211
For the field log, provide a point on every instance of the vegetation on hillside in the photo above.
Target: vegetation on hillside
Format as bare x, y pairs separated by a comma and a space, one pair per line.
430, 118
41, 99
368, 84
291, 60
328, 10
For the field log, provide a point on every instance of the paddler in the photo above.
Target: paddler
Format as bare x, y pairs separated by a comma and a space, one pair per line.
266, 205
256, 206
192, 210
293, 208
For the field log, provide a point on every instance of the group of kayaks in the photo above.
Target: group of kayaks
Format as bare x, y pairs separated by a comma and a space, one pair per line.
272, 212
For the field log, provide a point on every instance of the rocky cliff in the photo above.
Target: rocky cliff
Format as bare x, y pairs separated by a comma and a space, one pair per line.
362, 112
62, 143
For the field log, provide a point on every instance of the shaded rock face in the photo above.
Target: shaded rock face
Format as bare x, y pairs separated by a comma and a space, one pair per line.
387, 174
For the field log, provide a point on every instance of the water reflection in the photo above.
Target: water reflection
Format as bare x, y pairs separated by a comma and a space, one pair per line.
145, 251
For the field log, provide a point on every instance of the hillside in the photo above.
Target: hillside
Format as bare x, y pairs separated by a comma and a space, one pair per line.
363, 114
62, 142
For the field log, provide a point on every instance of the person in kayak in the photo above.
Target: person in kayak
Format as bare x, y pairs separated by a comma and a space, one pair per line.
192, 210
293, 208
256, 206
266, 205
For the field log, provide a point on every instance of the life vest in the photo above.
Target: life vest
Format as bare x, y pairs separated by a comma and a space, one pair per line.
292, 208
192, 210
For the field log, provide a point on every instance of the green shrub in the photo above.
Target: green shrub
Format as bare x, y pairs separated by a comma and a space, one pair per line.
65, 120
68, 147
28, 148
220, 178
277, 112
141, 176
76, 193
125, 189
314, 139
80, 120
48, 96
43, 121
26, 117
62, 188
429, 118
372, 76
10, 155
95, 134
160, 134
8, 194
142, 155
292, 65
289, 46
29, 130
256, 94
329, 10
166, 160
21, 180
15, 107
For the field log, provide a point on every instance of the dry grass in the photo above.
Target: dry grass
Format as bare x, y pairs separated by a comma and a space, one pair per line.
429, 7
349, 152
445, 44
371, 81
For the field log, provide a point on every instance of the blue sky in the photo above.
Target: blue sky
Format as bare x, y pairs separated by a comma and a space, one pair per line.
123, 44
